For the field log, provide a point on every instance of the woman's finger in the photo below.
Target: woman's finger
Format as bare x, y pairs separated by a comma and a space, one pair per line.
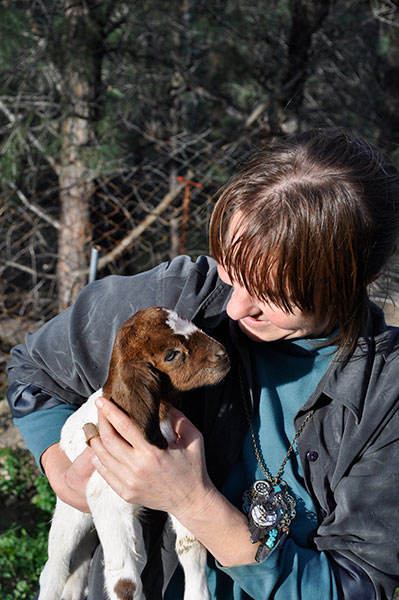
120, 421
110, 448
82, 465
116, 461
113, 480
185, 430
114, 471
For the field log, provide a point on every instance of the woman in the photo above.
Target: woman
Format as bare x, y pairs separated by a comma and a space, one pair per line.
308, 414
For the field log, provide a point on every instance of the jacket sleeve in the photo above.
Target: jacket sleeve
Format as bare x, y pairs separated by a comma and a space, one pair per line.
67, 359
362, 528
355, 480
41, 429
288, 572
294, 572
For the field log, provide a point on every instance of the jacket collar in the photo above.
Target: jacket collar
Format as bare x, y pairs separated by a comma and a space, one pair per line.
346, 381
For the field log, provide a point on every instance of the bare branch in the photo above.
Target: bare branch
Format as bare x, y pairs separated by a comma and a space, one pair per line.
230, 110
29, 270
126, 242
35, 209
385, 11
255, 114
34, 141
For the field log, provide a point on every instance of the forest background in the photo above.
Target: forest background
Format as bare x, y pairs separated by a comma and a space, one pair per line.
120, 120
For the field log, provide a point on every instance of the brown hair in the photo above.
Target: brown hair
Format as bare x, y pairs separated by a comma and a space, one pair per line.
318, 220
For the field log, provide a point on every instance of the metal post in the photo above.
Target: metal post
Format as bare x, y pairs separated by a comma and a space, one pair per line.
93, 264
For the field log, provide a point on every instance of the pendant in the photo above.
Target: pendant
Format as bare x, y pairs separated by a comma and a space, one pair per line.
270, 509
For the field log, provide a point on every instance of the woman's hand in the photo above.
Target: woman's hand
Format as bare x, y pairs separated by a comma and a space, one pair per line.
174, 480
69, 479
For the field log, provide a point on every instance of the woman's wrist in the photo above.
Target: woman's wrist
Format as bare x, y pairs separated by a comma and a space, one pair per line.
213, 520
67, 481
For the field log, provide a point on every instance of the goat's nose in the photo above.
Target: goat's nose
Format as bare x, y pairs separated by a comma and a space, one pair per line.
221, 353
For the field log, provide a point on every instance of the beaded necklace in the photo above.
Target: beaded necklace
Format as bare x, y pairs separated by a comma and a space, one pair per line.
268, 504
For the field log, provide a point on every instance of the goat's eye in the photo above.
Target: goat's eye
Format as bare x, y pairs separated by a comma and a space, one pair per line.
171, 355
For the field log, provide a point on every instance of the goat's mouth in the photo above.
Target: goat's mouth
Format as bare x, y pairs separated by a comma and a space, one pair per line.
224, 366
218, 372
207, 376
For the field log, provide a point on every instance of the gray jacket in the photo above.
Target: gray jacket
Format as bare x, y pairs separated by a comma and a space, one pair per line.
349, 451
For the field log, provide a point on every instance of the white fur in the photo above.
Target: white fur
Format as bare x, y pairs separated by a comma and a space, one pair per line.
179, 325
71, 540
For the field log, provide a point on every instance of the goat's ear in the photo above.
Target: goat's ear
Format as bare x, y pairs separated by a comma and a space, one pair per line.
135, 387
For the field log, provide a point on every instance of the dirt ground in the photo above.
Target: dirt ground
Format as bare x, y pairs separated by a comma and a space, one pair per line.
9, 434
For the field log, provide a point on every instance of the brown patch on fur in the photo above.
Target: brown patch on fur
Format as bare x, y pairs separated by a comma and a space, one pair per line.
125, 589
150, 364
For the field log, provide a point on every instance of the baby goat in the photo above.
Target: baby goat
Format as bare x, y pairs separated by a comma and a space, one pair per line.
156, 354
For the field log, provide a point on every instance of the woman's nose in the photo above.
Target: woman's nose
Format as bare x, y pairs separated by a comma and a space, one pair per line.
240, 304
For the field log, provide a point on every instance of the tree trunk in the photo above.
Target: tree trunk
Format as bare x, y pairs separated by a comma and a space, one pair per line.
389, 115
307, 18
82, 51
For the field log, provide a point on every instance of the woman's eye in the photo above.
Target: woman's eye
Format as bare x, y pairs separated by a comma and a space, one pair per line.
171, 355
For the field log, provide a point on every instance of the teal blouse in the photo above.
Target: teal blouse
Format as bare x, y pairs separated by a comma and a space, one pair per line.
285, 374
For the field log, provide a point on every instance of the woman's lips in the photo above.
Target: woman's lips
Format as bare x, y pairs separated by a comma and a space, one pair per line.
253, 322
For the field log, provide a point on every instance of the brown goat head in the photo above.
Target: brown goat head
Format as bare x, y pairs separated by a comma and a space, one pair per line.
156, 354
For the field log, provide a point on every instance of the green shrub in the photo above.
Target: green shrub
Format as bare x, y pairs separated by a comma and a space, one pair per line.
28, 503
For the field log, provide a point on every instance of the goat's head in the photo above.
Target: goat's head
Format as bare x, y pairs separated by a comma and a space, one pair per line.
155, 353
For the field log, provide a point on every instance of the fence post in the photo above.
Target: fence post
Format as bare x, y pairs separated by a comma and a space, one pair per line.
93, 264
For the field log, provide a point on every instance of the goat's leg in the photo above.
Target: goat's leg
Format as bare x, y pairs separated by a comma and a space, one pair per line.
121, 538
76, 587
192, 557
69, 547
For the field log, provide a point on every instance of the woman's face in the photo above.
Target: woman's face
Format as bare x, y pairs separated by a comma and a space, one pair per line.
266, 322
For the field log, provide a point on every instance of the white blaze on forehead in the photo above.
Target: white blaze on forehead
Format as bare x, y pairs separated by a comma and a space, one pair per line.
178, 325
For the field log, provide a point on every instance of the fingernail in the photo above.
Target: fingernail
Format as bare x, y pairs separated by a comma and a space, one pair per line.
99, 403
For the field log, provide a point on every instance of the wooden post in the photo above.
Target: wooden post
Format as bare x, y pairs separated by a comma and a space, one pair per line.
185, 211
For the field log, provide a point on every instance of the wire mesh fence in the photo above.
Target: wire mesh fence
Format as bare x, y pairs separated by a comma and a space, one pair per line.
140, 215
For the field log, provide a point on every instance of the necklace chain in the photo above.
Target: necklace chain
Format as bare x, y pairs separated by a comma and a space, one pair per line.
269, 505
258, 454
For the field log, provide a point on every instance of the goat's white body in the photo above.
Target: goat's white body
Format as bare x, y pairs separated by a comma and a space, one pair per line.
118, 528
